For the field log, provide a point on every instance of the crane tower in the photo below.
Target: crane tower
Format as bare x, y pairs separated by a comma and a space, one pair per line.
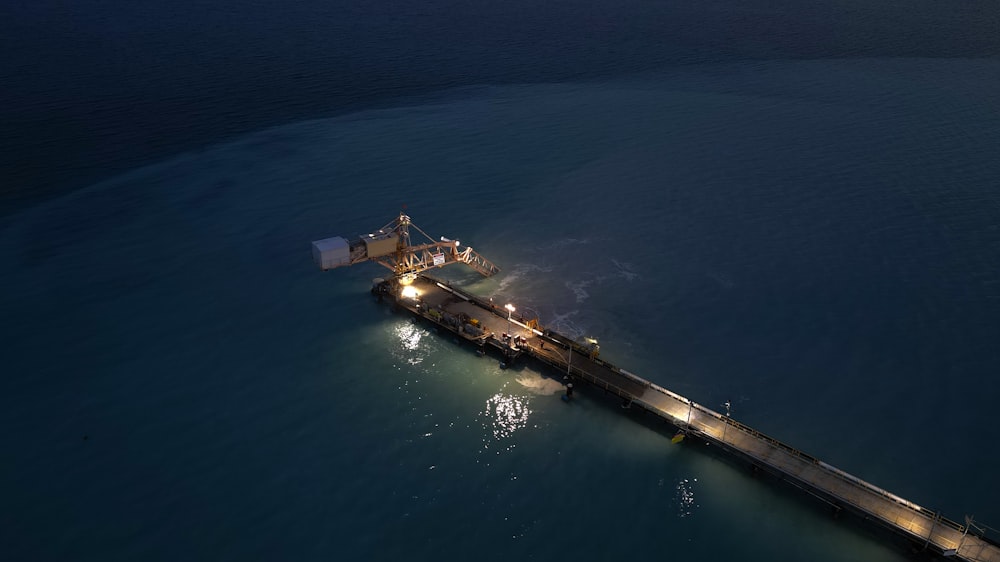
392, 247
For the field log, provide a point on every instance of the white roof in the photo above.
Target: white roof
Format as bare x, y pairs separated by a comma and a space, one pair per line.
330, 243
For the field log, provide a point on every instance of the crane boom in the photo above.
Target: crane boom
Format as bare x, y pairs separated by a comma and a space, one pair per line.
391, 247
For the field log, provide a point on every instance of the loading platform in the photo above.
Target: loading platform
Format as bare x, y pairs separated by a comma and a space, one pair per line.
497, 328
490, 326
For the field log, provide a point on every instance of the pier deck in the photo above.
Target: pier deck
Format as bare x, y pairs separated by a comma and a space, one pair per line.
453, 309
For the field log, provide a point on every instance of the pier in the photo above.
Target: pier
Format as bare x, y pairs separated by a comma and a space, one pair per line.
494, 327
497, 328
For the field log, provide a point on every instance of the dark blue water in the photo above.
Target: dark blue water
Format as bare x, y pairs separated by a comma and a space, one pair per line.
795, 211
111, 85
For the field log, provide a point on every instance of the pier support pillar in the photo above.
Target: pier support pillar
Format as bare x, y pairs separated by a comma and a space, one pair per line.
569, 392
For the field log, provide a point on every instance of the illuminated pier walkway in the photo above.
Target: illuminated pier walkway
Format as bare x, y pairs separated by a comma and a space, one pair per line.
483, 323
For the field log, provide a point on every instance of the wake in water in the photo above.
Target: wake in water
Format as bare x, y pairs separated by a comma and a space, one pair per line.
539, 384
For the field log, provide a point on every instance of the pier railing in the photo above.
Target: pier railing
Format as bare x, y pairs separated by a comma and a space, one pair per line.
734, 425
731, 429
601, 383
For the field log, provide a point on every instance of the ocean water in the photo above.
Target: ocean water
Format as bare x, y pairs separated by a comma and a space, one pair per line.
811, 238
109, 86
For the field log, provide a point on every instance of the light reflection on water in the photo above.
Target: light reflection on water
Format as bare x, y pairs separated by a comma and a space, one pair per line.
504, 415
409, 337
685, 497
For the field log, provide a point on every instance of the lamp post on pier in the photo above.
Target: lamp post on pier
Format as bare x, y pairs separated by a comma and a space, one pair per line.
510, 310
725, 420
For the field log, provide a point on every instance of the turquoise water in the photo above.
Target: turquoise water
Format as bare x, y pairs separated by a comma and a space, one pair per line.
814, 241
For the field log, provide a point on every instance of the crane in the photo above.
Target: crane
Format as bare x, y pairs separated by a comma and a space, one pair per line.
392, 248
